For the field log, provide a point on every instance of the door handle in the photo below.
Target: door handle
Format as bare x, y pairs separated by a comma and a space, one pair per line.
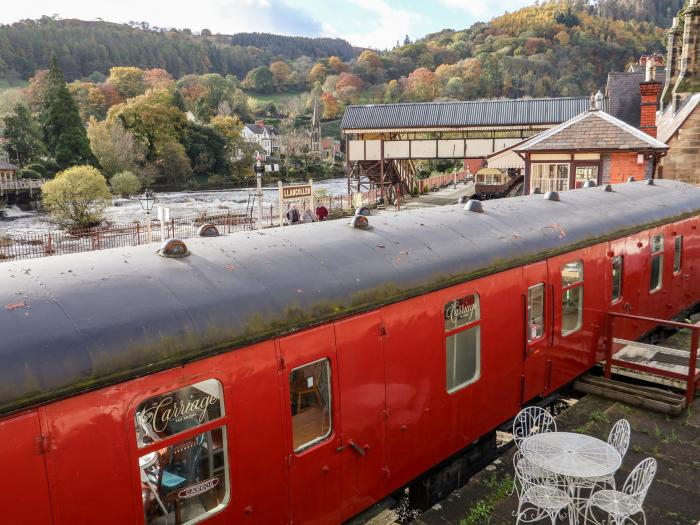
357, 448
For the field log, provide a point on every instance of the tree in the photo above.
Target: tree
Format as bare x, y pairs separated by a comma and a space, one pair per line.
157, 78
229, 128
64, 133
337, 65
151, 117
260, 79
206, 149
317, 74
23, 143
280, 72
421, 85
129, 81
115, 147
89, 98
331, 107
77, 197
172, 162
125, 184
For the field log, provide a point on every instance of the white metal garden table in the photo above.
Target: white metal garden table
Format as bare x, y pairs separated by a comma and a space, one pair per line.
577, 458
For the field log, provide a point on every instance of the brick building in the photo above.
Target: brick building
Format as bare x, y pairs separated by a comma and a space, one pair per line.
591, 146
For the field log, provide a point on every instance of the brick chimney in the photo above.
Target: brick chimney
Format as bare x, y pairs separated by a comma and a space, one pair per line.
650, 90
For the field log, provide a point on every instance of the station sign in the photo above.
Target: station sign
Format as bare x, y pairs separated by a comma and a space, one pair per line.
296, 192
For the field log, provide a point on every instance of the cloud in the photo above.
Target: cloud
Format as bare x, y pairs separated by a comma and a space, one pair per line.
220, 16
483, 11
386, 24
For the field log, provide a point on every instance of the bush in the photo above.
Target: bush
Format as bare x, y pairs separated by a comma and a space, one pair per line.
26, 173
52, 167
125, 184
39, 168
216, 181
77, 197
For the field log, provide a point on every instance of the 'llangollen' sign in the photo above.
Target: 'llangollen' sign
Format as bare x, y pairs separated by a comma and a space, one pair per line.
296, 192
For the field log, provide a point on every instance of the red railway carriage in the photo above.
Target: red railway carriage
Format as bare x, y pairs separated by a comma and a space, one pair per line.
299, 375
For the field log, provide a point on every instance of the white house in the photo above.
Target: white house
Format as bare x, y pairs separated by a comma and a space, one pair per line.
265, 136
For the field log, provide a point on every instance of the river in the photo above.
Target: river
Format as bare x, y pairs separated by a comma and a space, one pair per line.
16, 221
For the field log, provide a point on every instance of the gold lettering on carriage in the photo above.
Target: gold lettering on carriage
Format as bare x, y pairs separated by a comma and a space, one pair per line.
168, 410
199, 488
462, 312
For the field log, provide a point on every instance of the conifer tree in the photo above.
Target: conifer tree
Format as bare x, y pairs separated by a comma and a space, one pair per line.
64, 133
23, 143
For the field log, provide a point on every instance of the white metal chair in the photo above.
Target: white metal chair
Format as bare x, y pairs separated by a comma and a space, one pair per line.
531, 421
540, 497
619, 439
620, 506
526, 473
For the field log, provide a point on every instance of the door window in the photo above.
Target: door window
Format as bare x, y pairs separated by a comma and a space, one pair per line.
617, 264
550, 177
462, 342
586, 173
535, 312
572, 297
186, 481
677, 251
657, 263
310, 403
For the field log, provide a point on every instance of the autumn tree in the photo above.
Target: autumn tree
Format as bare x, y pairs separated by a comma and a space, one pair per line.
157, 78
337, 65
317, 74
129, 81
172, 162
23, 141
229, 127
115, 147
89, 98
348, 87
77, 197
280, 73
420, 85
331, 107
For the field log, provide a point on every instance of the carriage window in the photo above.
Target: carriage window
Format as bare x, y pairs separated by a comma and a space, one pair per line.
572, 297
310, 392
535, 312
678, 249
462, 342
187, 480
657, 263
617, 263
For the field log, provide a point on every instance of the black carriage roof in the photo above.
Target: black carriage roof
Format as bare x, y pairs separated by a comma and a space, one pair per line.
77, 322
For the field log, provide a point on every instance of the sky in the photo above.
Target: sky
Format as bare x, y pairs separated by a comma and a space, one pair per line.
366, 23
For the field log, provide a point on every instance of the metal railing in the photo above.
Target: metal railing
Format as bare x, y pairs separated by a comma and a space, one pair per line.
440, 181
7, 186
642, 325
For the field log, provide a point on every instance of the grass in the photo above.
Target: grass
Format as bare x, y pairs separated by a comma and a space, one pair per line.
482, 509
277, 98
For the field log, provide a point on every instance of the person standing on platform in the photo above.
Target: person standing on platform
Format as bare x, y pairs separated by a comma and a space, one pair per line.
308, 216
292, 214
321, 212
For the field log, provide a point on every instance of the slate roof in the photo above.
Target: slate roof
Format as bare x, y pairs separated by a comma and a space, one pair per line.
8, 166
479, 113
258, 130
625, 99
593, 130
669, 122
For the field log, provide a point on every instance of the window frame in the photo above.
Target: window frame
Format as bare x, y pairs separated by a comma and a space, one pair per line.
221, 422
554, 183
613, 299
565, 288
446, 334
320, 439
677, 254
660, 254
531, 340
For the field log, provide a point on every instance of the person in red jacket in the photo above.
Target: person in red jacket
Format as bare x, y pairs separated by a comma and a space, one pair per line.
321, 213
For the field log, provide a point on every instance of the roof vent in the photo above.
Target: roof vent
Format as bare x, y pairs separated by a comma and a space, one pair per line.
551, 196
474, 205
589, 184
360, 222
362, 210
630, 179
607, 188
537, 191
208, 230
649, 182
173, 249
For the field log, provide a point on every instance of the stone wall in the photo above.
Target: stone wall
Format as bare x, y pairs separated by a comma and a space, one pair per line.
683, 160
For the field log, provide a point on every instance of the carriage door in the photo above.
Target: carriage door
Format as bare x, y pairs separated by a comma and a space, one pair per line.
24, 486
310, 381
362, 411
536, 305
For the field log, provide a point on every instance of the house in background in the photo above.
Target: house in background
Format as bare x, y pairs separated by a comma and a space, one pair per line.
8, 172
591, 146
263, 135
330, 149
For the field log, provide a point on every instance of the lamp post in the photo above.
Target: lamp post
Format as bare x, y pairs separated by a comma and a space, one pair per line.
147, 200
259, 169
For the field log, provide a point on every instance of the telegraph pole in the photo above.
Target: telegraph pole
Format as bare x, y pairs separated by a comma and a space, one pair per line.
259, 169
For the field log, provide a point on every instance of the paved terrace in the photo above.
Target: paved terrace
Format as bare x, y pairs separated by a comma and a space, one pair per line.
674, 497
